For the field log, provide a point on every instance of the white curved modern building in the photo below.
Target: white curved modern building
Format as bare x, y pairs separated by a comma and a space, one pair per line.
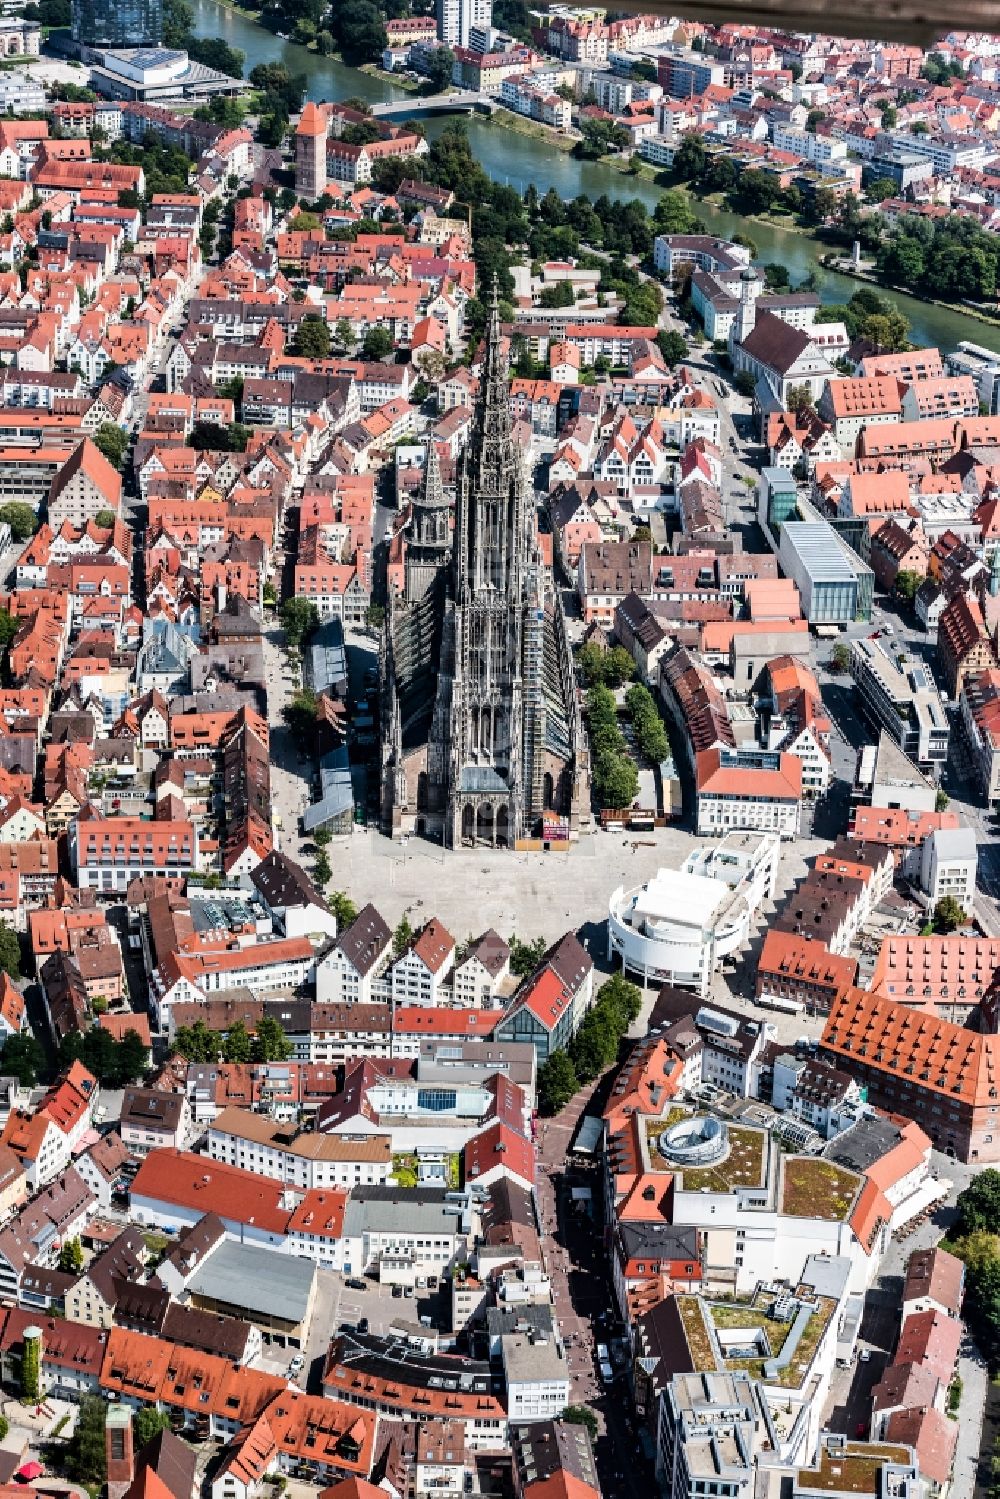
680, 925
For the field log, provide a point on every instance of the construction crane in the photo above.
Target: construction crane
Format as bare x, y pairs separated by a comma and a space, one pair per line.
917, 22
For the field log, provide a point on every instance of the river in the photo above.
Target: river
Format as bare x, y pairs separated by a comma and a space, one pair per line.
519, 159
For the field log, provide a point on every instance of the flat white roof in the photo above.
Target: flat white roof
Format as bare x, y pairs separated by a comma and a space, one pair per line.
681, 899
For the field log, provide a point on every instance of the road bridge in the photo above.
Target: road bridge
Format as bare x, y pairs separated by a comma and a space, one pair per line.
464, 102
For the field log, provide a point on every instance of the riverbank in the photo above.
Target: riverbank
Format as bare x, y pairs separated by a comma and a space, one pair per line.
372, 70
959, 310
534, 129
524, 158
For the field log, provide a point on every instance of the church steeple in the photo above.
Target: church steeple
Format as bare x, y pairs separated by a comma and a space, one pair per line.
491, 538
430, 529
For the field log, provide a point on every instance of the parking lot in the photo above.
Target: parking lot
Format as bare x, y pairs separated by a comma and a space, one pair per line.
338, 1303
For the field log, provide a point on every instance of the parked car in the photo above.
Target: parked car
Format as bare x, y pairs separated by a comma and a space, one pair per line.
607, 1373
297, 1365
355, 1284
362, 1324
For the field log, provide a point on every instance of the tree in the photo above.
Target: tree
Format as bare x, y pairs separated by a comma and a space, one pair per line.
322, 871
907, 584
776, 276
10, 951
525, 956
359, 31
590, 660
85, 1454
112, 442
9, 626
673, 346
299, 714
31, 1370
600, 138
271, 1043
402, 936
558, 294
132, 1058
616, 780
690, 159
557, 1083
236, 1044
439, 69
622, 999
374, 618
840, 657
343, 908
880, 189
581, 1415
889, 117
799, 398
901, 262
979, 1205
105, 519
649, 730
619, 666
948, 914
21, 519
312, 340
213, 438
299, 620
71, 1257
23, 1058
594, 1047
343, 335
147, 1423
196, 1043
378, 343
941, 800
178, 23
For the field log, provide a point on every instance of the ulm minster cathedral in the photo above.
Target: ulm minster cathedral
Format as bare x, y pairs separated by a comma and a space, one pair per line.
481, 733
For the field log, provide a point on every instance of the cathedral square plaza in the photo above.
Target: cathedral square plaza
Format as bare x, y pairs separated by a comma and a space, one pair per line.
532, 894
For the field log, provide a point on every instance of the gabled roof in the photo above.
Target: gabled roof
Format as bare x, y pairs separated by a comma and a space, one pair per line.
365, 939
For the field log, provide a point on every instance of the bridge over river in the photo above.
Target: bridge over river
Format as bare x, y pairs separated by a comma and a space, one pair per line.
466, 102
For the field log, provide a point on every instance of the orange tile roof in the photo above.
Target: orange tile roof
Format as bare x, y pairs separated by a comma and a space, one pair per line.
786, 954
922, 971
942, 1058
156, 1371
783, 784
193, 1181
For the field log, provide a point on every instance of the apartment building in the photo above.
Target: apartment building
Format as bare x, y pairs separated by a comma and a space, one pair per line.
948, 865
108, 853
803, 972
922, 1066
899, 696
754, 790
297, 1157
361, 956
979, 702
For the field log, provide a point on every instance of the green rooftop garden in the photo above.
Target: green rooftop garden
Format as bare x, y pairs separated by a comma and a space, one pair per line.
695, 1331
742, 1167
855, 1471
817, 1189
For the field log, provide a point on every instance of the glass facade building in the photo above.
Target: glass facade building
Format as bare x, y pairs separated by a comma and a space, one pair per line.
118, 23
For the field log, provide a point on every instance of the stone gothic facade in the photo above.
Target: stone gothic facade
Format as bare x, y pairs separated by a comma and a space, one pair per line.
481, 734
